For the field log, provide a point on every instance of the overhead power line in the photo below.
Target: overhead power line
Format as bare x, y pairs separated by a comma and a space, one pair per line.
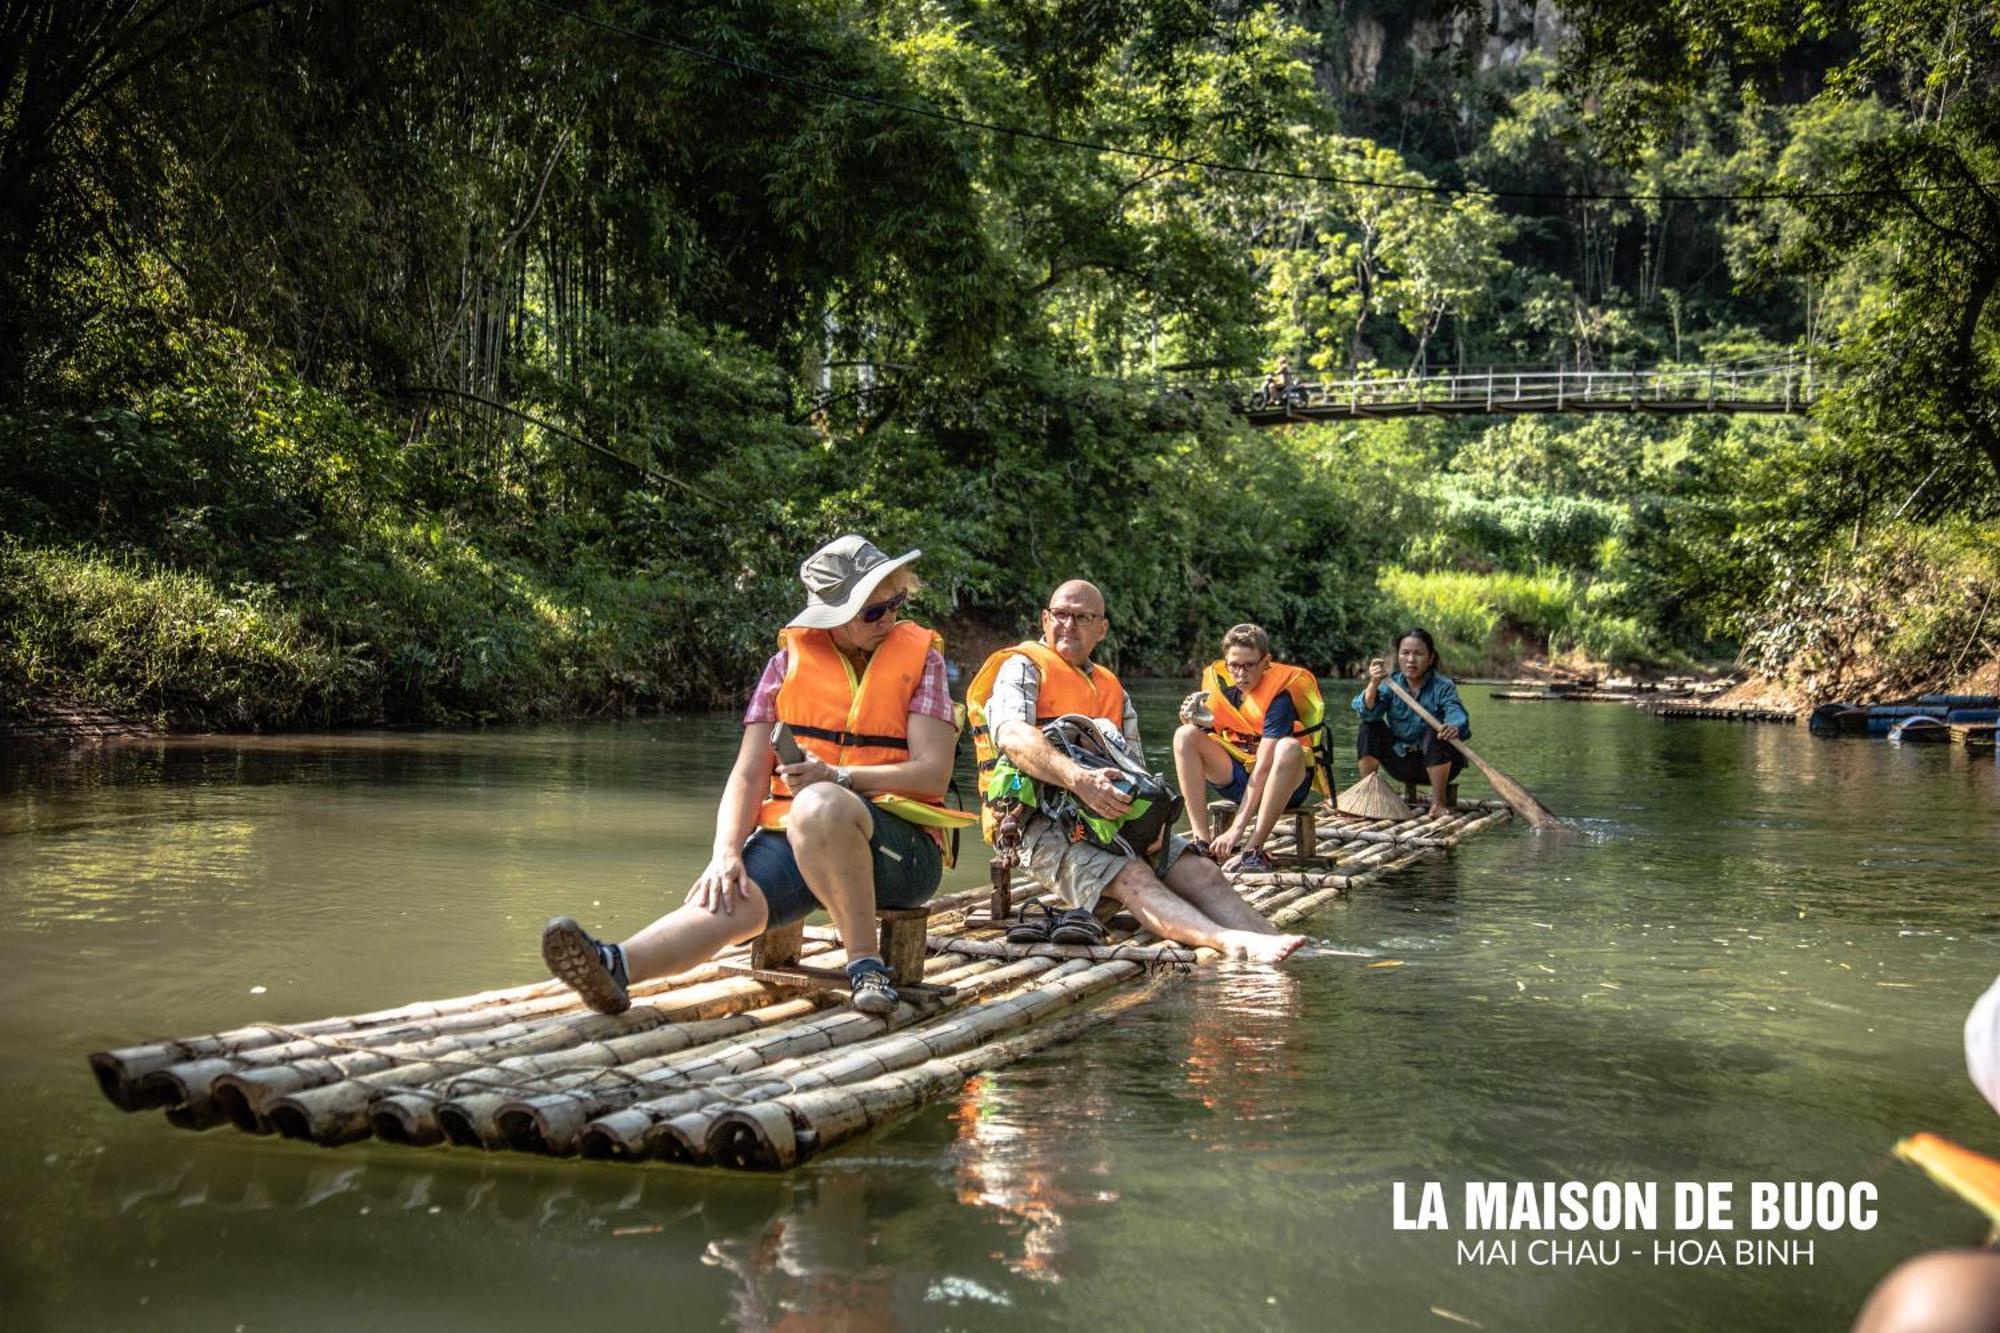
1236, 168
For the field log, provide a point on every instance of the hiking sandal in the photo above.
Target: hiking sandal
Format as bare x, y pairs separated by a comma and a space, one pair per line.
1079, 926
1031, 929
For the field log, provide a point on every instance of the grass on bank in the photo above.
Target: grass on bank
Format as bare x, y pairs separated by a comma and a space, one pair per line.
1486, 622
422, 628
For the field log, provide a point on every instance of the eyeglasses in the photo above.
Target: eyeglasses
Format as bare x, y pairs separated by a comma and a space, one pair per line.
1080, 619
1242, 668
872, 614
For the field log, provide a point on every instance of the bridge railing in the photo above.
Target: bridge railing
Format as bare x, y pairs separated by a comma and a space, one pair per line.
1783, 387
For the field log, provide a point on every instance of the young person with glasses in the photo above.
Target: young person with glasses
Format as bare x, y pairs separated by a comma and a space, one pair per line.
858, 822
1182, 898
1251, 732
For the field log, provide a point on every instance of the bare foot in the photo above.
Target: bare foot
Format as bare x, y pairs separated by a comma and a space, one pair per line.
1439, 810
1255, 948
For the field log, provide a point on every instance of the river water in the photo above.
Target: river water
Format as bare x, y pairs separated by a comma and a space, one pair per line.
1752, 966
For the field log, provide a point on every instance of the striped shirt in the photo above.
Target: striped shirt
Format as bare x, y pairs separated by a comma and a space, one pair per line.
932, 697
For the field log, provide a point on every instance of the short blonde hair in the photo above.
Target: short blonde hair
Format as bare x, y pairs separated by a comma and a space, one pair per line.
903, 579
1247, 636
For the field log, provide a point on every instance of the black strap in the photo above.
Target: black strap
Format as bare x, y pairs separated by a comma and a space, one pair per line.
849, 739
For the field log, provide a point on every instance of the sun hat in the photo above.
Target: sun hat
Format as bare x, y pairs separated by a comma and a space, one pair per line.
839, 577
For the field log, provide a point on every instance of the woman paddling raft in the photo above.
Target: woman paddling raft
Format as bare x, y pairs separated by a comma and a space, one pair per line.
1393, 737
854, 822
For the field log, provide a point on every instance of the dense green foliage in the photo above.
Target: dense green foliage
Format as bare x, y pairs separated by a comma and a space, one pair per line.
502, 358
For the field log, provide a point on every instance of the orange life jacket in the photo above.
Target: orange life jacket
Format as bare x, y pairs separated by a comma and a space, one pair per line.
848, 721
1064, 689
1240, 727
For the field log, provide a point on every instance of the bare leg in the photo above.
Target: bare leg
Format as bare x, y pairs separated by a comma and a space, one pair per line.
1288, 766
829, 831
691, 934
1173, 917
1440, 780
1198, 761
1201, 882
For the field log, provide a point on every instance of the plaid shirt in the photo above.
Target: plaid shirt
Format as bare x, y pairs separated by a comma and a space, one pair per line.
932, 697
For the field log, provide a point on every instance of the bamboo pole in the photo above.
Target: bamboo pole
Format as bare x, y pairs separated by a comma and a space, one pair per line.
247, 1092
550, 1119
119, 1071
421, 1117
554, 1121
122, 1073
1066, 986
624, 1133
326, 1100
787, 1130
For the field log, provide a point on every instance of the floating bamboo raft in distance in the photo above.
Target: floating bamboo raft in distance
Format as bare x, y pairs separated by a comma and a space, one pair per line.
1721, 713
711, 1067
1974, 735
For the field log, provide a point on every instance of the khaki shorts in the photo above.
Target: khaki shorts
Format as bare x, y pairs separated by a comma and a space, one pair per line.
1077, 873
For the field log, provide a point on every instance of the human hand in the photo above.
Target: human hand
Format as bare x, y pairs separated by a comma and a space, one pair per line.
1448, 731
1098, 789
800, 776
1378, 671
1230, 839
722, 885
1194, 706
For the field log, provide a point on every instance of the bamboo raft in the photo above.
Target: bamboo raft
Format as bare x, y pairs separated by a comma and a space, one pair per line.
715, 1067
1974, 735
1719, 712
1581, 696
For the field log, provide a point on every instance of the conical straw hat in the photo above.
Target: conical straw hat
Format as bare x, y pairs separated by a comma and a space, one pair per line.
1373, 798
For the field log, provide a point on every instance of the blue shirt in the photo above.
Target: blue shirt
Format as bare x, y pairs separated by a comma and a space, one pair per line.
1439, 695
1279, 718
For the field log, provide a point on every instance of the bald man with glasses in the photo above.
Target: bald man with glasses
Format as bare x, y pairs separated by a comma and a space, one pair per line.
1182, 898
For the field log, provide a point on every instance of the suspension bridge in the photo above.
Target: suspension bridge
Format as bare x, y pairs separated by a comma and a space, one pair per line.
1777, 389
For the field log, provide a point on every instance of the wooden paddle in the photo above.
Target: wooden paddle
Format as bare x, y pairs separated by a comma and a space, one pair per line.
1513, 793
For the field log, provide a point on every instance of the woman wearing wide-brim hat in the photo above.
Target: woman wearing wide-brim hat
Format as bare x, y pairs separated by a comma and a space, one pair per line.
859, 822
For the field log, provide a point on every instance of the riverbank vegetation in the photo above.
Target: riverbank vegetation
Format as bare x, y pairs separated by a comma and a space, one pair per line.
501, 359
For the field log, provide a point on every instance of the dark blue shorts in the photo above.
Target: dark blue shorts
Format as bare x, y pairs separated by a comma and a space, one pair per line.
908, 868
1239, 782
1411, 766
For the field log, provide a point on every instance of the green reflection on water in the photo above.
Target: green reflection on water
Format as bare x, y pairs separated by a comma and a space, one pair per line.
1753, 966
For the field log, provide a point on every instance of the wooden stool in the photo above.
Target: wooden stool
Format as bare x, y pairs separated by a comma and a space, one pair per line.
1305, 839
774, 956
901, 938
778, 947
1305, 827
1001, 905
1450, 794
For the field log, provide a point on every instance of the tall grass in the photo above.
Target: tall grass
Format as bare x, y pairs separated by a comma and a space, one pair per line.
104, 632
1486, 621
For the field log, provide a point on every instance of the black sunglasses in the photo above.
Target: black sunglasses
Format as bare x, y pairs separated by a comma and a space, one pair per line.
871, 614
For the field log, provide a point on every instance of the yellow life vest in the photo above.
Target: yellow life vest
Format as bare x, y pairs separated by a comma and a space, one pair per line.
1240, 727
1064, 689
